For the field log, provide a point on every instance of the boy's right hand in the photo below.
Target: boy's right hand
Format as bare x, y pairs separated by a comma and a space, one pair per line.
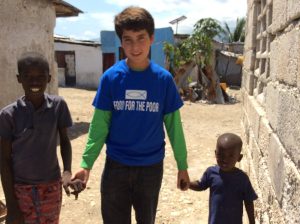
77, 185
79, 181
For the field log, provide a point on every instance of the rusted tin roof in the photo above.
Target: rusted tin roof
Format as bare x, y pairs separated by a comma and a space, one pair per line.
64, 9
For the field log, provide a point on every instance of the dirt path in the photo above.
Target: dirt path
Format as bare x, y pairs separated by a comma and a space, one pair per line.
202, 124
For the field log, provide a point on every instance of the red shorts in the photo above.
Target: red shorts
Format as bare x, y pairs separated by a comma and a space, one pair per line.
40, 203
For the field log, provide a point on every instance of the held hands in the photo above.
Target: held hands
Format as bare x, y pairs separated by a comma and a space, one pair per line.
76, 185
79, 181
183, 180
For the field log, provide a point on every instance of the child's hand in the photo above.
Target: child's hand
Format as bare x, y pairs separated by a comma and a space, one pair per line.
77, 185
66, 179
183, 180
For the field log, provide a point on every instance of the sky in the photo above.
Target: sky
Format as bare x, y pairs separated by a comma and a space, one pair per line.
99, 15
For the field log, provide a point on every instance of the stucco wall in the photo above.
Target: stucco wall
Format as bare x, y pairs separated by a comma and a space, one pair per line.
271, 106
88, 61
25, 26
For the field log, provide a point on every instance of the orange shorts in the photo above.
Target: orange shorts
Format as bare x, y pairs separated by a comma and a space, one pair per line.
40, 203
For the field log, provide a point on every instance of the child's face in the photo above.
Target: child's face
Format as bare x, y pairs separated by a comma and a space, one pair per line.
34, 81
227, 157
136, 45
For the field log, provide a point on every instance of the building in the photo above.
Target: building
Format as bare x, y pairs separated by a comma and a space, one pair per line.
271, 107
112, 51
79, 62
27, 26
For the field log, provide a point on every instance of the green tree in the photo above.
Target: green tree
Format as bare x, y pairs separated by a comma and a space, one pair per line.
238, 33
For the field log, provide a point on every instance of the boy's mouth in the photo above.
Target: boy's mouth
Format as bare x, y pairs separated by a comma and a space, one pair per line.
34, 90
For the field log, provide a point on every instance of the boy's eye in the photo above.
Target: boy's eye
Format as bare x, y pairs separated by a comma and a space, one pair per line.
127, 41
39, 77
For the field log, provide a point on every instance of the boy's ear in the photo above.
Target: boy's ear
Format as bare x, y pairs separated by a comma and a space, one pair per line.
152, 38
240, 157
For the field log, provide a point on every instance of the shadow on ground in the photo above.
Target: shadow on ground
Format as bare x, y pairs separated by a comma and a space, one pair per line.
78, 129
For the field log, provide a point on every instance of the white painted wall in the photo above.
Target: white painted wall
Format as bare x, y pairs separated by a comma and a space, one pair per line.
88, 60
25, 26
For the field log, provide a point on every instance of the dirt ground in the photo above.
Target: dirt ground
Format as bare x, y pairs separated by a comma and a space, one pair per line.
202, 124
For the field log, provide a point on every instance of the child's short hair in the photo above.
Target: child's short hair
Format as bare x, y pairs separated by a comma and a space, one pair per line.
232, 139
32, 59
134, 18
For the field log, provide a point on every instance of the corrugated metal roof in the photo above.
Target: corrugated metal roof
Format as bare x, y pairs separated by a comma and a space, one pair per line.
64, 9
68, 40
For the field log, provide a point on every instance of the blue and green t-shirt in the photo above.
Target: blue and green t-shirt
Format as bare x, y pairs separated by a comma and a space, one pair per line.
138, 101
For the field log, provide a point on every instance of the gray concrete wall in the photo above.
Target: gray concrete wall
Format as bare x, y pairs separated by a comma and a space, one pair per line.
271, 108
25, 26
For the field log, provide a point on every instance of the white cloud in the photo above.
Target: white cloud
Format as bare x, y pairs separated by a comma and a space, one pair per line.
164, 11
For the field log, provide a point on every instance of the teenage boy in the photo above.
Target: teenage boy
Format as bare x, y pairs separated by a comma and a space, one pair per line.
134, 99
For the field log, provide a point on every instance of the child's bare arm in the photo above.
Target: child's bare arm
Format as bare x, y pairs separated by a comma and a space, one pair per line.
249, 205
13, 212
194, 185
66, 154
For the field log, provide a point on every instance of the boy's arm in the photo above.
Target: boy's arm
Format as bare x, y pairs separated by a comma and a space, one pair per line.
98, 131
194, 185
13, 211
249, 205
66, 155
174, 129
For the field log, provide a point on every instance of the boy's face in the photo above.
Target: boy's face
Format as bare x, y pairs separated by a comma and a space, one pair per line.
34, 81
227, 157
136, 45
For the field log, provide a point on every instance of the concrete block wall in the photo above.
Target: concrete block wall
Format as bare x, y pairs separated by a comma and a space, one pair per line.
271, 108
25, 26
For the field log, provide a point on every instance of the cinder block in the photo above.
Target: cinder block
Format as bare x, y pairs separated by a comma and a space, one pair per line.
254, 152
246, 128
248, 81
255, 113
264, 136
293, 10
272, 105
285, 57
291, 193
276, 165
288, 129
249, 60
279, 15
250, 38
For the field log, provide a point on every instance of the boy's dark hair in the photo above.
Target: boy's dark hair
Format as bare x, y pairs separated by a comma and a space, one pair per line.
231, 140
134, 18
32, 59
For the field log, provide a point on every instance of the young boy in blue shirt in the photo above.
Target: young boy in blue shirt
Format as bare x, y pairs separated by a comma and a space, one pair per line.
229, 186
134, 99
29, 128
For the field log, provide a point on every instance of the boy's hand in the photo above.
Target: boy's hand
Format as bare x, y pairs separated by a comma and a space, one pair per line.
77, 185
66, 180
183, 180
79, 181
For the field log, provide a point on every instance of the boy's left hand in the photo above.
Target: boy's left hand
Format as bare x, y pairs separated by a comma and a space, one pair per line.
183, 180
66, 180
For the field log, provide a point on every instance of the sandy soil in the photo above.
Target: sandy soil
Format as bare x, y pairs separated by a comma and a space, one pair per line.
202, 124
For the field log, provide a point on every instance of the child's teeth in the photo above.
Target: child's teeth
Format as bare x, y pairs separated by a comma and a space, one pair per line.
35, 89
